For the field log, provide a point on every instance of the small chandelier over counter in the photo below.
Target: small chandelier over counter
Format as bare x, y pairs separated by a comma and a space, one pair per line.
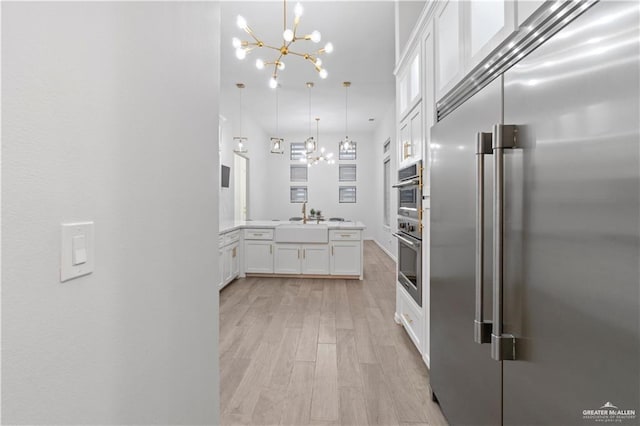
289, 37
240, 141
310, 144
322, 157
277, 143
346, 143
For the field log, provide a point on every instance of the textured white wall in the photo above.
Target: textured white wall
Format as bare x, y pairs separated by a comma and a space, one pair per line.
110, 114
386, 129
323, 183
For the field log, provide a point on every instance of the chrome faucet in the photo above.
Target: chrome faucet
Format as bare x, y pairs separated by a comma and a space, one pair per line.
304, 212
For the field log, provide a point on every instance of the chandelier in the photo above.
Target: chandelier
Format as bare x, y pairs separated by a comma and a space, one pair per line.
289, 37
346, 143
322, 157
240, 141
277, 143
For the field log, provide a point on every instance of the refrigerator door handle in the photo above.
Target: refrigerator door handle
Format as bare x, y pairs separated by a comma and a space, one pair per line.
481, 328
503, 346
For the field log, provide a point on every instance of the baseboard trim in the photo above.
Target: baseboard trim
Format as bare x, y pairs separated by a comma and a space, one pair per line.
384, 249
330, 277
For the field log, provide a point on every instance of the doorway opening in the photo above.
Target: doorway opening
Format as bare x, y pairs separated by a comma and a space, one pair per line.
241, 187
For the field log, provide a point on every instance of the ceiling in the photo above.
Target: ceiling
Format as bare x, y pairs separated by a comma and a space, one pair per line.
363, 36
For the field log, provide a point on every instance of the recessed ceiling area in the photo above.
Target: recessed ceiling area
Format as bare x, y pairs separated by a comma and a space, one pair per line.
363, 37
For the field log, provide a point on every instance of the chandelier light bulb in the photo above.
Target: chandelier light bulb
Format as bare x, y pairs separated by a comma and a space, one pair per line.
316, 36
259, 64
322, 150
281, 65
329, 155
241, 53
318, 62
297, 10
323, 73
328, 47
241, 22
287, 35
273, 83
236, 42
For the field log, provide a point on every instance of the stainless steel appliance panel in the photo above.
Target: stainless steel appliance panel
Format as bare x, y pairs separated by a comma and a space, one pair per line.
572, 239
410, 265
464, 378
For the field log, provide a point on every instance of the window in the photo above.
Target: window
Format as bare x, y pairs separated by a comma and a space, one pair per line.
349, 154
298, 194
347, 194
347, 173
298, 151
387, 192
298, 172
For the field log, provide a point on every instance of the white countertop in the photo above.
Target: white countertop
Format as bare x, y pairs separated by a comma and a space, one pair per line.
233, 225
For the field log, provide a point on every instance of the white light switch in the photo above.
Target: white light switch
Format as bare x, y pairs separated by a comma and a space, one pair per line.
77, 256
79, 249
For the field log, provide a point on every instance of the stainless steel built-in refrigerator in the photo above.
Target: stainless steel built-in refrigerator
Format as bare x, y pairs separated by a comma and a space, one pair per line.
535, 234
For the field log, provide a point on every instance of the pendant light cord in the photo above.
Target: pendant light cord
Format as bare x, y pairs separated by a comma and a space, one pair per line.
277, 111
309, 130
346, 112
240, 89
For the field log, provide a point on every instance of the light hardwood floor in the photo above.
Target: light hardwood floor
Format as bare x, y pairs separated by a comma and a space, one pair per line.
313, 351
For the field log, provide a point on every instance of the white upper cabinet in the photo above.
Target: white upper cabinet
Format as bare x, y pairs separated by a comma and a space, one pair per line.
449, 48
409, 86
489, 24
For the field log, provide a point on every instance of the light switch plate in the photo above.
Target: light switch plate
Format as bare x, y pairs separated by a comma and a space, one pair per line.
76, 237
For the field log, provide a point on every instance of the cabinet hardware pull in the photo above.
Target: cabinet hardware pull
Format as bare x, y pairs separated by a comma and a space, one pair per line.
331, 250
409, 320
304, 253
298, 253
270, 249
345, 235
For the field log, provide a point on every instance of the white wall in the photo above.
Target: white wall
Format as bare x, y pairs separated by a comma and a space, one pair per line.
323, 183
257, 152
385, 130
110, 114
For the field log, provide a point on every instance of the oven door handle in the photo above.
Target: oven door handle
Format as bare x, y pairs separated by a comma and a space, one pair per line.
415, 182
406, 241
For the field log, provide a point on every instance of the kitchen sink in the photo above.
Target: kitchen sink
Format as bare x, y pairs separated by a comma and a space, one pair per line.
302, 233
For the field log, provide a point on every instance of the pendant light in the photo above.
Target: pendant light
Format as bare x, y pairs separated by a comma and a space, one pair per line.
322, 157
277, 144
240, 141
346, 143
310, 144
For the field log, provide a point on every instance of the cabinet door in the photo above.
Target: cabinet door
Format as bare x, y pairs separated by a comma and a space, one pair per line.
235, 260
405, 142
315, 259
226, 265
345, 258
221, 267
489, 24
287, 259
258, 257
449, 52
416, 133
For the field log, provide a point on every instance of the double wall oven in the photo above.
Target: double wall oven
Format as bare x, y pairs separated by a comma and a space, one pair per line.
409, 233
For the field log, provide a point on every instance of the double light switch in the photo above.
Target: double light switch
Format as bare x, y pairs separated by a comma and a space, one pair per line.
77, 257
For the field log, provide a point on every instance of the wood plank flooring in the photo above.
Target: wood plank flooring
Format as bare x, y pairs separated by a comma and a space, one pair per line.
320, 352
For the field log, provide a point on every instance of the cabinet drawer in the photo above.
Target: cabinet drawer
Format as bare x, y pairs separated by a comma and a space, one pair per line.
231, 237
258, 234
411, 317
337, 235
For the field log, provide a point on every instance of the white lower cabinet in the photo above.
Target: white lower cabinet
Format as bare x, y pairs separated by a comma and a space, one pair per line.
229, 258
287, 259
315, 259
310, 259
346, 258
259, 256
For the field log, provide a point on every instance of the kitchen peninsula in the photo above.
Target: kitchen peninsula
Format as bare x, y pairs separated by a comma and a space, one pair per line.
291, 249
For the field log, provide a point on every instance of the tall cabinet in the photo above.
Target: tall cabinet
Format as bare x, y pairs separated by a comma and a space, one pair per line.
449, 41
